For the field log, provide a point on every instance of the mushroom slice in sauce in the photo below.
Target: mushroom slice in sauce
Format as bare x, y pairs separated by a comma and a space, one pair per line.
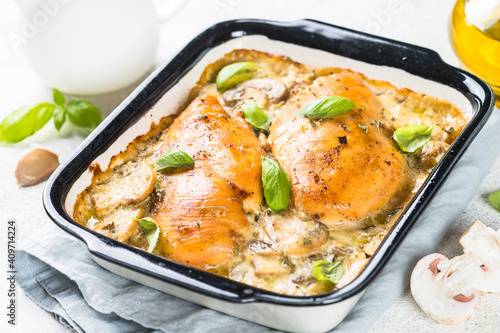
131, 188
288, 234
120, 225
263, 91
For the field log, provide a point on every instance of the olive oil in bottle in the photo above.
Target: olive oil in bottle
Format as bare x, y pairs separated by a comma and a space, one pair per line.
475, 36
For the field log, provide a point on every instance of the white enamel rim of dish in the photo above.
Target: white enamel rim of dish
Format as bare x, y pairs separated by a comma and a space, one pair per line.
171, 101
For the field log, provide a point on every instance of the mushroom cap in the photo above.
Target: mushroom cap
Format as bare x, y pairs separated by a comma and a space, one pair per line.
483, 243
446, 290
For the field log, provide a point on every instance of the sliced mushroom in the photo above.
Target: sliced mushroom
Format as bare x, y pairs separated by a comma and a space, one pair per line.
287, 234
262, 248
132, 188
35, 165
447, 290
119, 224
431, 154
263, 91
483, 243
266, 267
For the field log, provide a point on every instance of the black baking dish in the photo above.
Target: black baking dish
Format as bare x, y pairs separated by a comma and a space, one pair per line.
286, 312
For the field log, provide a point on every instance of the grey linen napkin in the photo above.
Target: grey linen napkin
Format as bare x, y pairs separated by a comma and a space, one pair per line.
59, 276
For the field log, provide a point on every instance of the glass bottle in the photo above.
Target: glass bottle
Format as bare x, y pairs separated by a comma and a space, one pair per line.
475, 37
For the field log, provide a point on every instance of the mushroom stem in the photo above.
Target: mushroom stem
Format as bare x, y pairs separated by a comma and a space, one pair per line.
483, 243
459, 276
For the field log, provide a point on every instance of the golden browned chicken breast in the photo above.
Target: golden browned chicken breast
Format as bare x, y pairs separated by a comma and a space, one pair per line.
200, 217
342, 168
205, 130
202, 214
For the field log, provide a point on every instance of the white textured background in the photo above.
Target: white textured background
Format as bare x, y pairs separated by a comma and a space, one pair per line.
423, 22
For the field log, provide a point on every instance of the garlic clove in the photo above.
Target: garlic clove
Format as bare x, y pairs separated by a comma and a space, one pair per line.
35, 165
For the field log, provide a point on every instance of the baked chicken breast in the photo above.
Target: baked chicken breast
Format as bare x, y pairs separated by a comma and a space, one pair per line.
202, 214
342, 168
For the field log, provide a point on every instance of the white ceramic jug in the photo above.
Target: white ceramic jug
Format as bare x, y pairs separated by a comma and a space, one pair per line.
88, 47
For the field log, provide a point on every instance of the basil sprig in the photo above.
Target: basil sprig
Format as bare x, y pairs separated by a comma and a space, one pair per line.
327, 271
151, 229
255, 116
412, 138
276, 185
327, 107
27, 120
174, 159
495, 199
233, 74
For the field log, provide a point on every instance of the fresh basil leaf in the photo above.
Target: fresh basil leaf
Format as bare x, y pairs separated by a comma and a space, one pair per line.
25, 122
174, 159
151, 229
58, 97
233, 74
255, 116
412, 138
495, 199
276, 185
59, 119
84, 114
327, 107
327, 271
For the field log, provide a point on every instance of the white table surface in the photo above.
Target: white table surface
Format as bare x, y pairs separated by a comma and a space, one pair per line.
423, 22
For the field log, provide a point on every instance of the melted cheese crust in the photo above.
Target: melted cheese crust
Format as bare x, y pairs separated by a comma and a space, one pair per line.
349, 179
